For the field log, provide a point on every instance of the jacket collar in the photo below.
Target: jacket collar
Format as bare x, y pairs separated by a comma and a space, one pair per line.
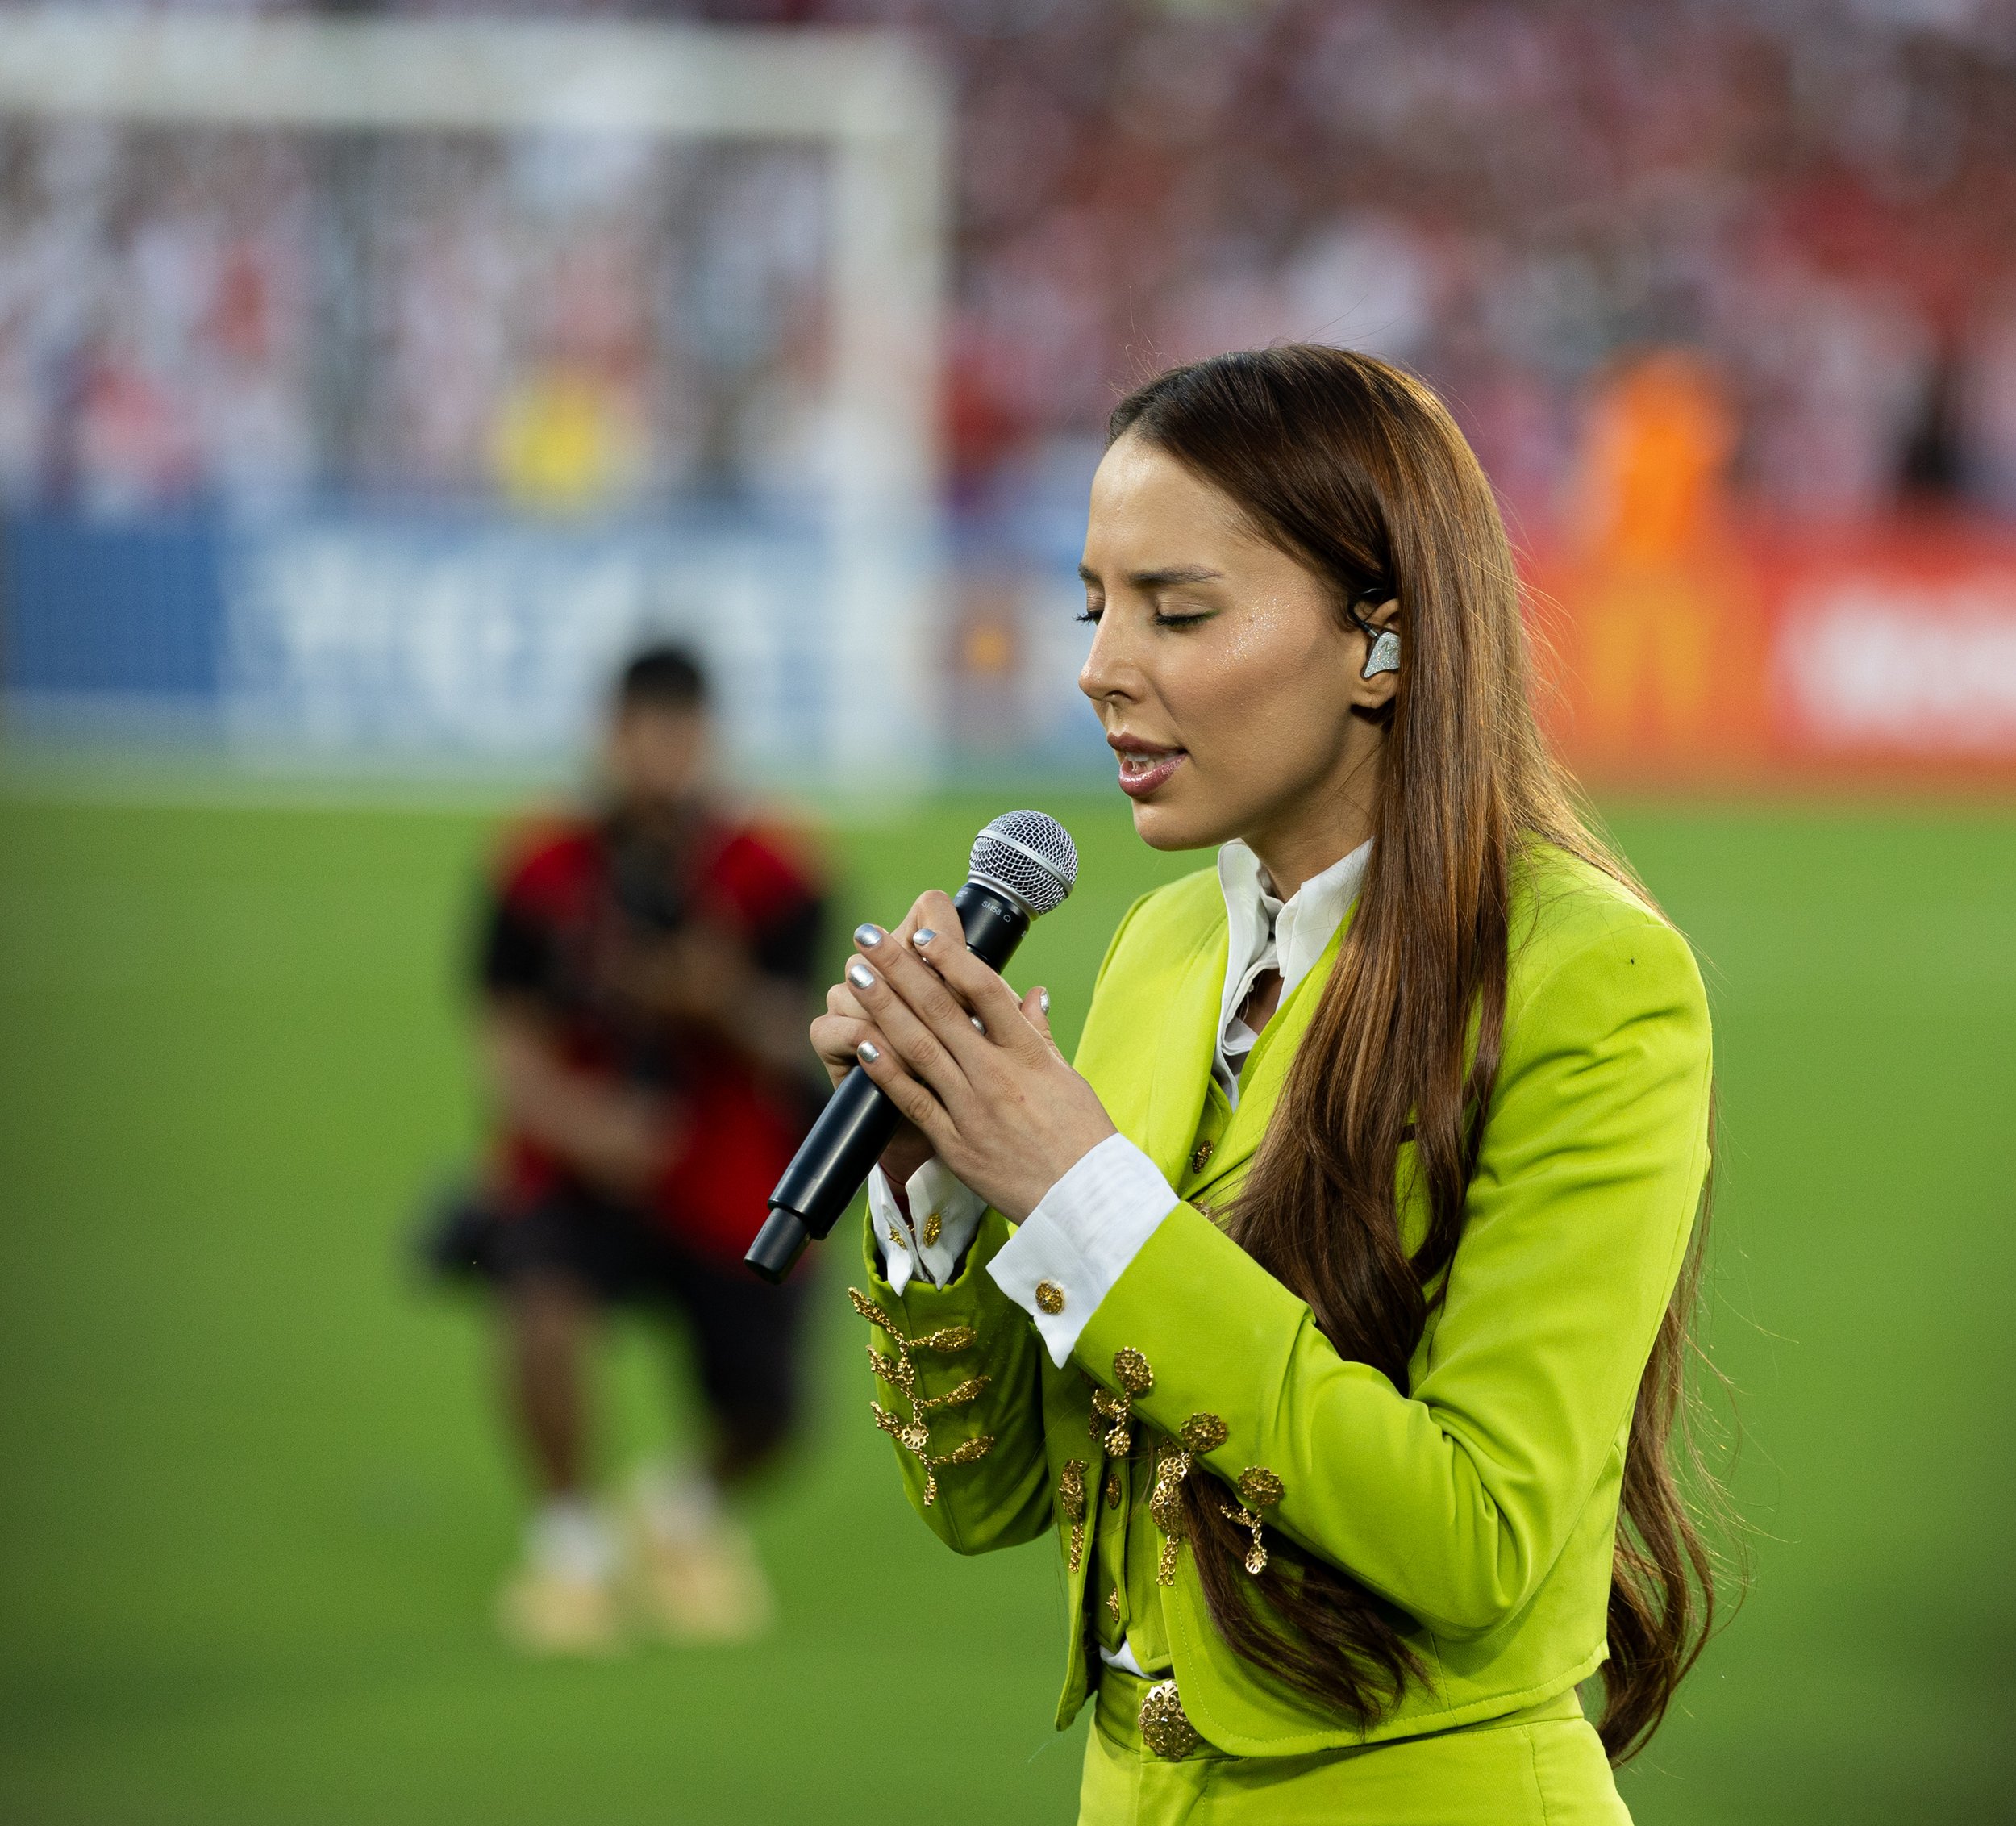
1186, 1041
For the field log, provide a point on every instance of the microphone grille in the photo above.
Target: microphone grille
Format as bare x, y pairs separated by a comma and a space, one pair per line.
1028, 856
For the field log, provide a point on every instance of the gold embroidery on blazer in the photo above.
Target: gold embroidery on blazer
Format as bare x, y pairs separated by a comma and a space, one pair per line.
1131, 1371
947, 1338
915, 1437
1165, 1504
1071, 1500
1259, 1488
900, 1372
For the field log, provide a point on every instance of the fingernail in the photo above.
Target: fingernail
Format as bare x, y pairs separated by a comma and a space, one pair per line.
859, 974
868, 937
867, 1052
924, 936
1042, 1000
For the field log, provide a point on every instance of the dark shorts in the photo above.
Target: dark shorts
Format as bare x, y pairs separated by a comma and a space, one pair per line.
746, 1333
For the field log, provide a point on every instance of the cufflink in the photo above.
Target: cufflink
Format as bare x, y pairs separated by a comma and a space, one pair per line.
1050, 1297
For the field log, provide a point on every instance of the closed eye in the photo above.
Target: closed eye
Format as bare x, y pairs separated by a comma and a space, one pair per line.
1091, 616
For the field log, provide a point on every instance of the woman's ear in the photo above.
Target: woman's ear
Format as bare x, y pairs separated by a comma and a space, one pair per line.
1379, 675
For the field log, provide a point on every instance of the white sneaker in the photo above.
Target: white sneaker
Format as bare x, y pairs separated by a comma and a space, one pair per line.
562, 1600
701, 1584
544, 1611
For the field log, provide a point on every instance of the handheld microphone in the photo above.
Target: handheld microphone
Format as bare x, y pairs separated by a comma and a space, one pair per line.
1023, 865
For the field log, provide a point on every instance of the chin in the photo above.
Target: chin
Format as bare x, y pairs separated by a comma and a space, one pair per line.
1169, 827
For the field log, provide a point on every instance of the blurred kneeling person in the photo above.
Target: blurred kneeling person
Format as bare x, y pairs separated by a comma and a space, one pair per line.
645, 973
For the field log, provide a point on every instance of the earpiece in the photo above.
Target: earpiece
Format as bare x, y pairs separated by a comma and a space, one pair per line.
1382, 648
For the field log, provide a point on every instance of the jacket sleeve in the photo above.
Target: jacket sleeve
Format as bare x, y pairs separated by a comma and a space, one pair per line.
959, 1391
1454, 1499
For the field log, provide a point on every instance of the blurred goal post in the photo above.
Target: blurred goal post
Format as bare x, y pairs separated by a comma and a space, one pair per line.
870, 99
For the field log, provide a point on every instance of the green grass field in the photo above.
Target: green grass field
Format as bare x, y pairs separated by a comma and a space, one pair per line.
253, 1506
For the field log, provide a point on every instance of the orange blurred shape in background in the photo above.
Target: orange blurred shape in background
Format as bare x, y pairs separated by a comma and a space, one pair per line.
1658, 633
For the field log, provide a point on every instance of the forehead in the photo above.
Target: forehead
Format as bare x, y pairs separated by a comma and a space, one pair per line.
1150, 512
654, 716
1142, 494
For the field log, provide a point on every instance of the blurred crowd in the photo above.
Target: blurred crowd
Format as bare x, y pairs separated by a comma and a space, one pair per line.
561, 322
1512, 196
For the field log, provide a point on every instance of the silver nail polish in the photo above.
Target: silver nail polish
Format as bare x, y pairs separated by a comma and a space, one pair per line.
1042, 1000
979, 1026
868, 937
869, 1052
923, 937
859, 974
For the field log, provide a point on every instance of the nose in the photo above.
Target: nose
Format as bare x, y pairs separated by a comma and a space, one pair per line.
1109, 672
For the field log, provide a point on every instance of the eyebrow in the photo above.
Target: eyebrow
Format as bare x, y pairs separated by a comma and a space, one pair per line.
1156, 579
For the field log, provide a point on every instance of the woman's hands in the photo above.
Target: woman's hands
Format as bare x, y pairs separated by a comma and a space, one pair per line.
842, 1028
974, 1071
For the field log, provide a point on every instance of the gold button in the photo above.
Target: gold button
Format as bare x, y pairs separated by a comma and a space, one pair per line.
1049, 1296
1259, 1488
1112, 1489
1201, 1158
1203, 1432
1131, 1371
934, 1228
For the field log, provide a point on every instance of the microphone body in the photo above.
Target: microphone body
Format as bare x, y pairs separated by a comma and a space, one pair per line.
1023, 864
855, 1127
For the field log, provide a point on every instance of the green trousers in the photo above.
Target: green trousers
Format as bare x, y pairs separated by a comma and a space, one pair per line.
1540, 1767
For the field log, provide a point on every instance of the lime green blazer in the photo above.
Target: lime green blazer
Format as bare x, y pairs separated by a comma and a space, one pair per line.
1481, 1499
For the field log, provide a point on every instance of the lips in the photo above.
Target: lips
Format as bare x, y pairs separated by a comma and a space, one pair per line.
1146, 770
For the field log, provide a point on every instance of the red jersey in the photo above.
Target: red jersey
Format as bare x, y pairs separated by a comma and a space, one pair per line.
576, 912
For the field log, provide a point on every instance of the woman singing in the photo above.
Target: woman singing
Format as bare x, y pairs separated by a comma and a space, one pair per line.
1330, 1309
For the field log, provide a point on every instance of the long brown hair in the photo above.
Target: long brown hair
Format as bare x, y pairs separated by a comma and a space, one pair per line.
1356, 469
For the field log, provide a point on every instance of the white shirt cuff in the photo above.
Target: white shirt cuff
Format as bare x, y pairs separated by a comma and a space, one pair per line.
933, 1192
1063, 1261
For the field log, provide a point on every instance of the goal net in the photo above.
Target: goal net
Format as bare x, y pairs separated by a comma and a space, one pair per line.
367, 387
